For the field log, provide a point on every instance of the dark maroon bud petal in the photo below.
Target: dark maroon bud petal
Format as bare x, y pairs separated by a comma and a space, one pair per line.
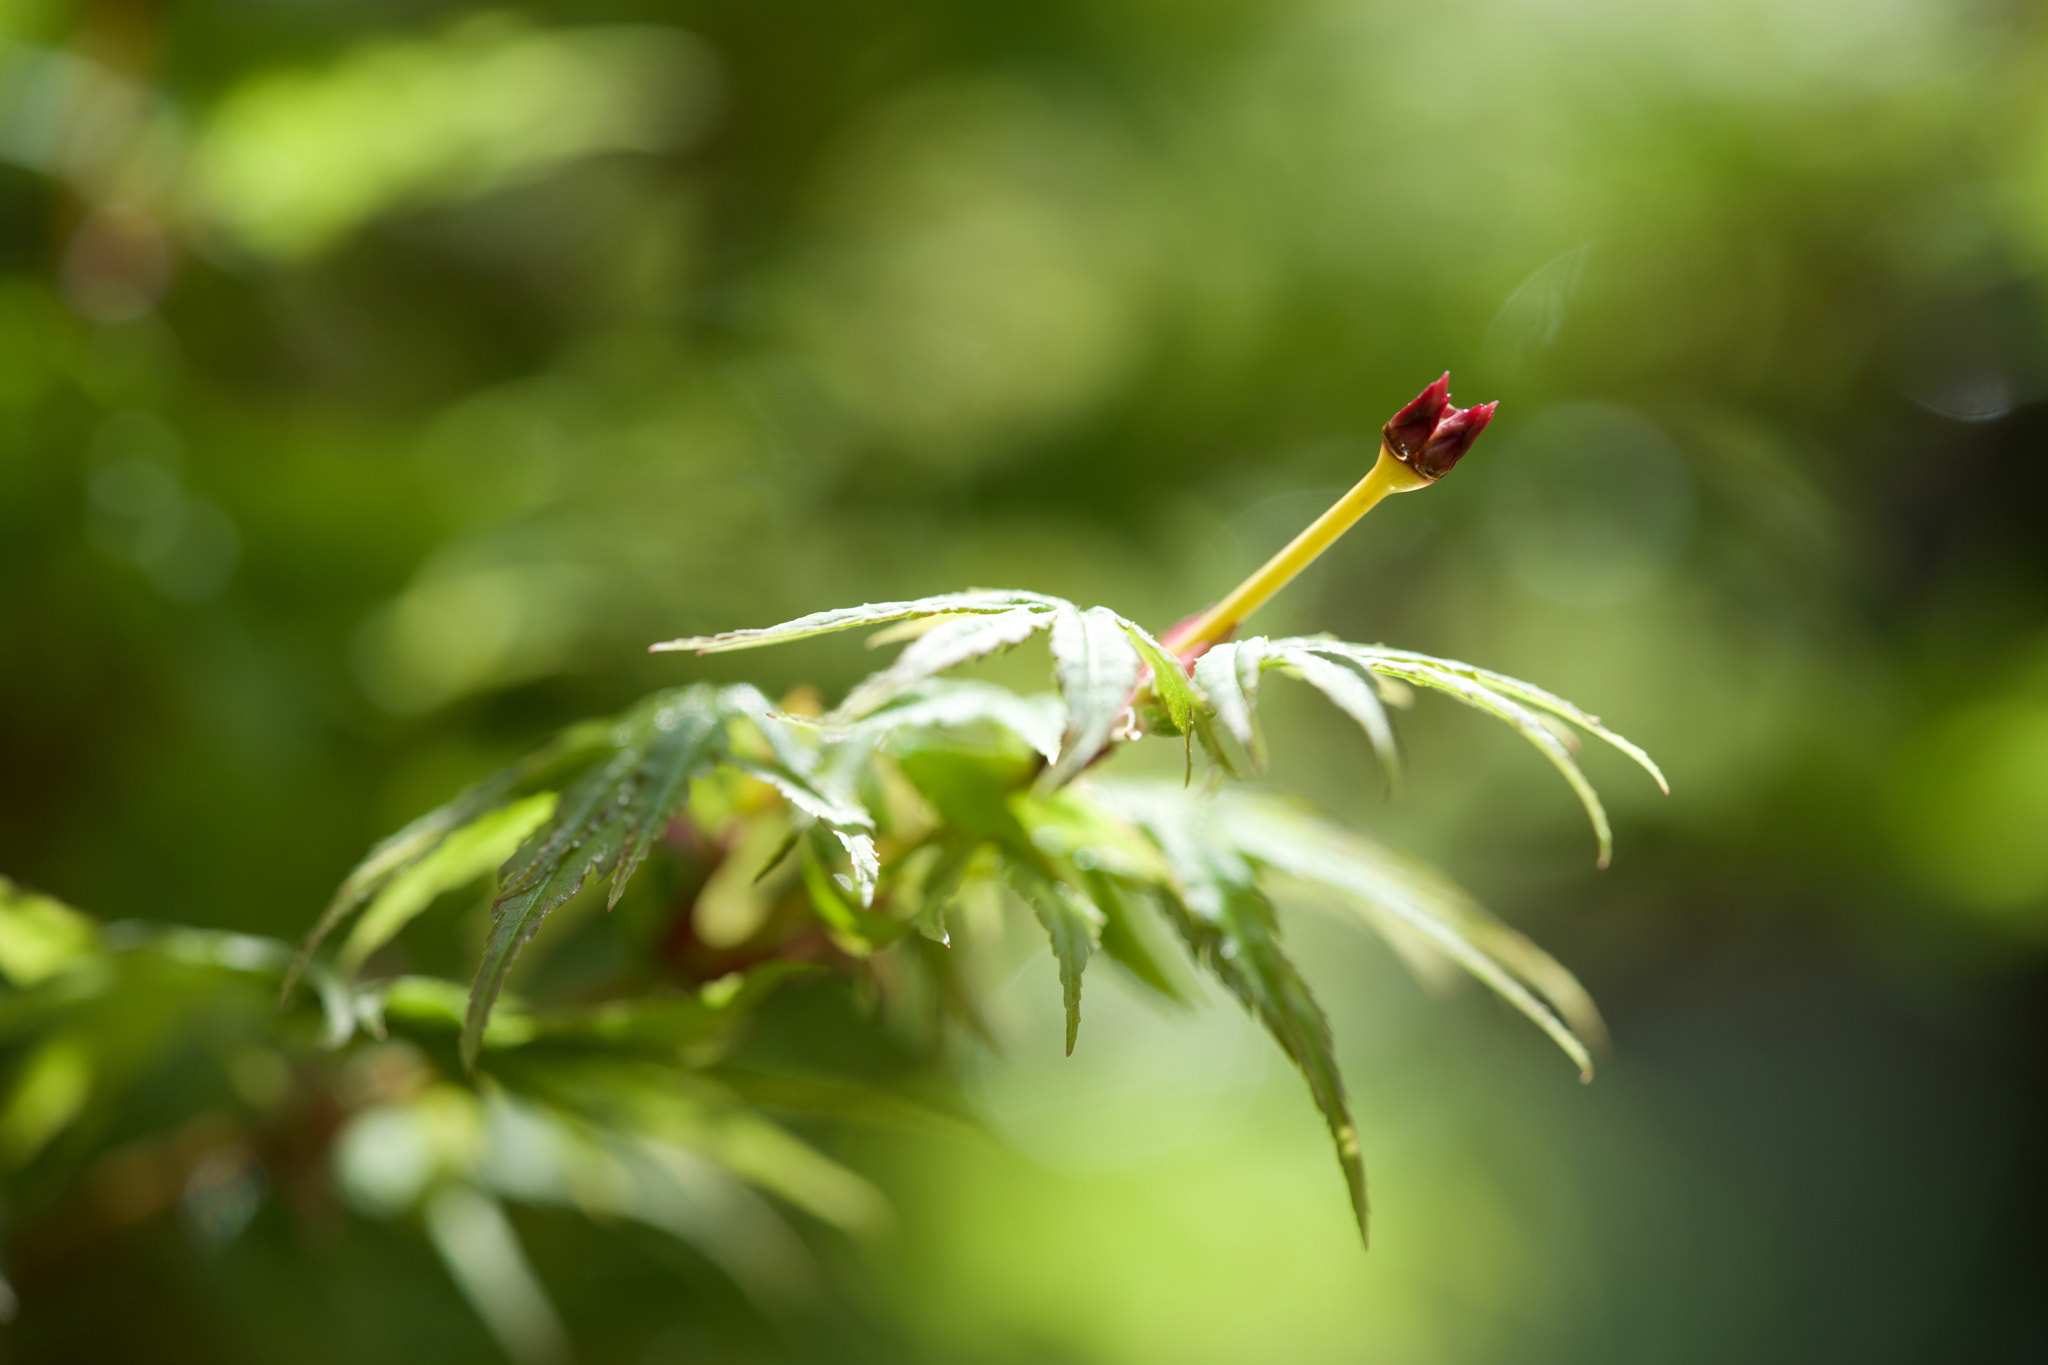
1454, 436
1409, 429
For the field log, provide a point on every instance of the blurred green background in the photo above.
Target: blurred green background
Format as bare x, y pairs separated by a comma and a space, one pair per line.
376, 380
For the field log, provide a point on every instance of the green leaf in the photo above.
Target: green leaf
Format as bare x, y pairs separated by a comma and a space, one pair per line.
947, 645
427, 1005
848, 618
666, 1022
777, 729
686, 732
1216, 674
1366, 875
1528, 723
591, 800
1071, 826
1097, 669
1233, 931
1349, 692
1125, 938
1072, 924
970, 789
855, 930
573, 747
1529, 709
1528, 694
1169, 680
940, 884
604, 823
461, 858
867, 866
943, 704
806, 797
517, 915
1228, 675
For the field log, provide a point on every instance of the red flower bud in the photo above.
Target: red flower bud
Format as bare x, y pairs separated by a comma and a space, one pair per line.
1409, 430
1430, 435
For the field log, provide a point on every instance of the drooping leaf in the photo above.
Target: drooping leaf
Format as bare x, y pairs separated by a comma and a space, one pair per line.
1533, 712
1365, 874
1527, 723
941, 704
1126, 939
855, 930
1528, 694
1228, 676
835, 811
1072, 924
603, 824
948, 645
685, 735
1097, 669
1234, 932
537, 770
516, 916
461, 858
1350, 693
848, 618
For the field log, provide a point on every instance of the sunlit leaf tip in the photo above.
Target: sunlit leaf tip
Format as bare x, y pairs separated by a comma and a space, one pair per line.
976, 601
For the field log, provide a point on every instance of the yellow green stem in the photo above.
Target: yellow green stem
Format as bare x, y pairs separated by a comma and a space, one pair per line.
1388, 475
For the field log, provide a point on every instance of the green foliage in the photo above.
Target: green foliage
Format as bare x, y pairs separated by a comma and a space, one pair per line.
617, 1109
916, 788
836, 843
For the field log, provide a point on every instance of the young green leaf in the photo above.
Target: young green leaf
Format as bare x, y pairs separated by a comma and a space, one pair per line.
1216, 675
1366, 875
1125, 938
1228, 676
1526, 693
467, 854
537, 770
1351, 694
849, 618
1097, 669
947, 645
941, 704
517, 914
1169, 680
1527, 723
1234, 932
1073, 925
603, 824
686, 733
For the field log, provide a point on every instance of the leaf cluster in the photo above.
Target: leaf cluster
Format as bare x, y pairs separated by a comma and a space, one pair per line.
621, 1110
873, 819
